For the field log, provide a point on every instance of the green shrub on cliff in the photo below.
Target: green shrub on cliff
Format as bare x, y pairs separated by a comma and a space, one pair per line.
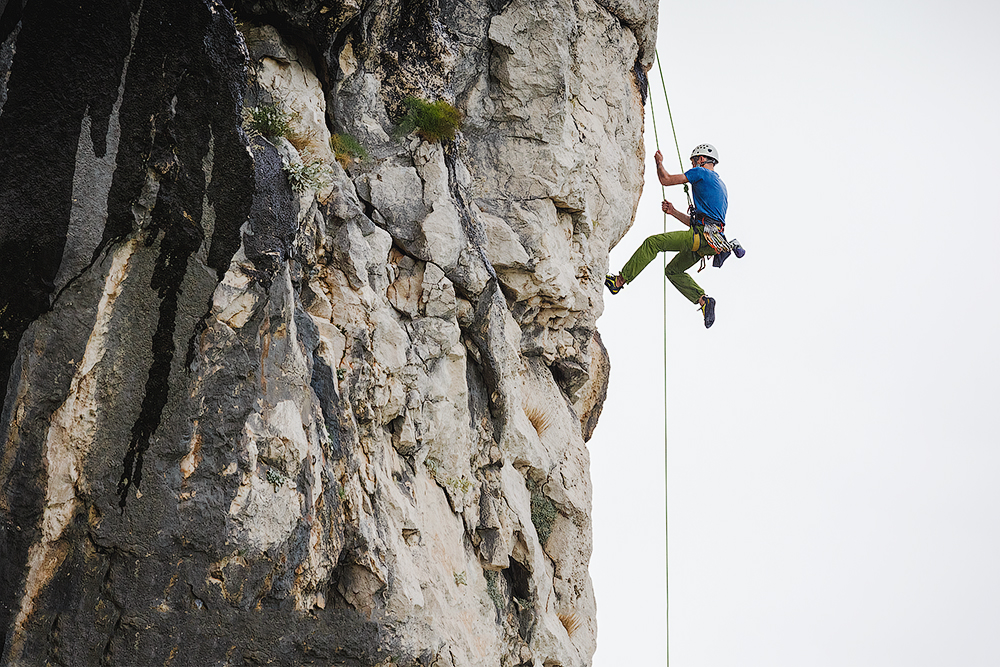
309, 174
433, 121
347, 149
267, 120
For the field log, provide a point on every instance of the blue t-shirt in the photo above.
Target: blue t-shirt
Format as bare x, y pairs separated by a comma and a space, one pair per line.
710, 196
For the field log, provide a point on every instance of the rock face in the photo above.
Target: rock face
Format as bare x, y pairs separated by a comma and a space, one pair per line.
340, 423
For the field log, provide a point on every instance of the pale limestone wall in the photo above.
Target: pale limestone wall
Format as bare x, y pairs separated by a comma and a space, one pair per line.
372, 441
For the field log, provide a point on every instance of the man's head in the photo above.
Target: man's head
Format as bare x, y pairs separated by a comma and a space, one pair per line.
704, 154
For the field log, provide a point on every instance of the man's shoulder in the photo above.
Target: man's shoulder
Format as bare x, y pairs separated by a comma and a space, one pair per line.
700, 173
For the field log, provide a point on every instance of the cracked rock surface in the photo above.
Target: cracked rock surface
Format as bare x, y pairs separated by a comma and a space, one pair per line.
251, 417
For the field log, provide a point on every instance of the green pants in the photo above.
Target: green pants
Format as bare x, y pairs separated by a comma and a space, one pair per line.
683, 243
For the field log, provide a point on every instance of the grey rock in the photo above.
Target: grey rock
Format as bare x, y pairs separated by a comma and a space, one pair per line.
255, 425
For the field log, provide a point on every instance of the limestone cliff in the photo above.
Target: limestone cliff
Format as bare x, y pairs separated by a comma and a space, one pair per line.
267, 402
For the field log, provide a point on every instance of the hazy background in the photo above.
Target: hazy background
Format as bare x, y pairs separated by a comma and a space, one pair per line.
833, 439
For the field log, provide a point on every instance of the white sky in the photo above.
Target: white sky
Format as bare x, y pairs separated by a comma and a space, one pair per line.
834, 468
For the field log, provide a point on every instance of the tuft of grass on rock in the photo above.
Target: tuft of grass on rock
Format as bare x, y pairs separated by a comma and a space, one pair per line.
432, 121
347, 149
267, 120
539, 418
275, 120
304, 141
310, 174
570, 621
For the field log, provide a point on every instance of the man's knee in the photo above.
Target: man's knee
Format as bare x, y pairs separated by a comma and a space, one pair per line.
652, 243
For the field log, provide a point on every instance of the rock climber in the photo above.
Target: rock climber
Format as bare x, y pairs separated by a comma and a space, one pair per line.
694, 243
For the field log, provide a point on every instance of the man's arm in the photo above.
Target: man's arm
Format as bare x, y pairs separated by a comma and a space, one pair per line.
661, 173
669, 209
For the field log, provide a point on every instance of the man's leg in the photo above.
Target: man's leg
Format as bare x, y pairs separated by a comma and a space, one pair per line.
685, 284
680, 241
676, 274
676, 271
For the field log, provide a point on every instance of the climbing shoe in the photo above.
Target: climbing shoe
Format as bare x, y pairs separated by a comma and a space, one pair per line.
614, 283
708, 310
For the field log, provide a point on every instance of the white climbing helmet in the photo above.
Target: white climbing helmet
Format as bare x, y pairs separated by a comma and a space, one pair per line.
707, 150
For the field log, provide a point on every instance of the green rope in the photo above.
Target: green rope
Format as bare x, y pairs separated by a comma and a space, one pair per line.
656, 139
680, 160
666, 495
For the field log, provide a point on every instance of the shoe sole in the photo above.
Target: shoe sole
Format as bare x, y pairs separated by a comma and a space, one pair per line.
708, 310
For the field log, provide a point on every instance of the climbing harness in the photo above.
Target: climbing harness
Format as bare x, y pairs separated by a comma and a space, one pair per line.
713, 232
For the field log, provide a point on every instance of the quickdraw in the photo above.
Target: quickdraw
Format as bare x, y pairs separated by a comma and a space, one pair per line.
715, 237
714, 234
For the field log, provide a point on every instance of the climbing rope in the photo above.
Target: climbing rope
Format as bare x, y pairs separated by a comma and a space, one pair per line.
673, 130
666, 501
